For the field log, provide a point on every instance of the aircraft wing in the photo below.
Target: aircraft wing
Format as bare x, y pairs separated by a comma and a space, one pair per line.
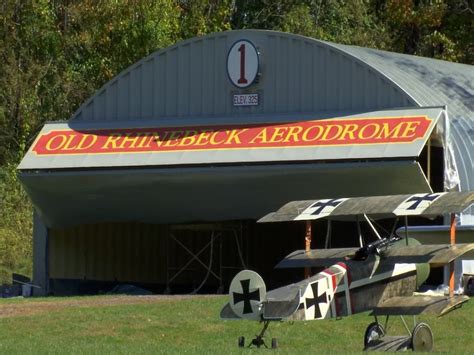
413, 305
435, 255
423, 204
315, 258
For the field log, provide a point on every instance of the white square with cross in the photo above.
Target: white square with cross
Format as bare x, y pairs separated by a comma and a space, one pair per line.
320, 209
416, 204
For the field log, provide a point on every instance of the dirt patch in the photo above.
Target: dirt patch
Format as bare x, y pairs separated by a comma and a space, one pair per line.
33, 307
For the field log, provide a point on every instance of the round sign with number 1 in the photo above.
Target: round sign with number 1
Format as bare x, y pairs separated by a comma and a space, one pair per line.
242, 63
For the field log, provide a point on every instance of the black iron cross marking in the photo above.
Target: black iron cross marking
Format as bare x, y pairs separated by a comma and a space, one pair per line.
246, 296
316, 300
419, 199
322, 205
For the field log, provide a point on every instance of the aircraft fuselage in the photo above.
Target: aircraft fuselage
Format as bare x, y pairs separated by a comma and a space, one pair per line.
343, 289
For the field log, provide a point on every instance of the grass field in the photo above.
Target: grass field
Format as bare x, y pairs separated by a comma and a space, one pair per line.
187, 324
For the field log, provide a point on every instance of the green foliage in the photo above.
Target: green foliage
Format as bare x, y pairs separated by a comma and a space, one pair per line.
103, 38
433, 28
348, 22
15, 226
437, 28
55, 54
199, 17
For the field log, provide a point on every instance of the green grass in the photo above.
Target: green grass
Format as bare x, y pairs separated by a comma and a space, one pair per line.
191, 326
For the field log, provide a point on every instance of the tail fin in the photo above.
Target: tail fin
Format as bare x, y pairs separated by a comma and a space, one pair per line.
247, 292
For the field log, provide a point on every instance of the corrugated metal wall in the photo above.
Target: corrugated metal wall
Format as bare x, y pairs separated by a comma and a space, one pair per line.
190, 80
108, 252
144, 253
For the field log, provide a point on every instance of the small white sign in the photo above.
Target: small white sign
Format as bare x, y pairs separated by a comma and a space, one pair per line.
242, 63
245, 100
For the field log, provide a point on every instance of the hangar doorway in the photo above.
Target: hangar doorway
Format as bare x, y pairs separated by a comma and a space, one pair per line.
198, 258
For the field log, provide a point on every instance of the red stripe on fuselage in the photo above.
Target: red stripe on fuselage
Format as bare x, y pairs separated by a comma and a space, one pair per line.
349, 280
334, 286
343, 265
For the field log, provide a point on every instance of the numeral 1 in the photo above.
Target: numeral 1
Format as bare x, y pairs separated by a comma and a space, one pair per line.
242, 79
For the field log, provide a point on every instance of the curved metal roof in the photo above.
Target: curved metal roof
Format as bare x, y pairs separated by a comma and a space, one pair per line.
433, 82
299, 75
189, 80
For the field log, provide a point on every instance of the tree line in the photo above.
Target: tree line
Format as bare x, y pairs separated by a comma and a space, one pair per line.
55, 54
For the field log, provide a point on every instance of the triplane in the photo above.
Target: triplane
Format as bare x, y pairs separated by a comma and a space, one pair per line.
381, 276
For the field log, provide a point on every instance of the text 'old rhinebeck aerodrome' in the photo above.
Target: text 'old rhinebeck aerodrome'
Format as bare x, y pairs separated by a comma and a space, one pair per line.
333, 132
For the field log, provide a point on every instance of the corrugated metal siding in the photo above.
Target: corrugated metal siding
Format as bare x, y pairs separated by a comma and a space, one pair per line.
137, 253
109, 252
190, 80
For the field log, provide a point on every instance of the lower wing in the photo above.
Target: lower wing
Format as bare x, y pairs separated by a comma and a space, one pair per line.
414, 305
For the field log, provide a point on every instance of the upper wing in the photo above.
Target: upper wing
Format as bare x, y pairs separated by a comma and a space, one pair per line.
413, 305
435, 255
377, 206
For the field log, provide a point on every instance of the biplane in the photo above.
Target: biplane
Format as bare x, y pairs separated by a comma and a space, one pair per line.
381, 276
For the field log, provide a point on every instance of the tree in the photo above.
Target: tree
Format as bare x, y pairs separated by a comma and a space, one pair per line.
348, 22
199, 17
437, 28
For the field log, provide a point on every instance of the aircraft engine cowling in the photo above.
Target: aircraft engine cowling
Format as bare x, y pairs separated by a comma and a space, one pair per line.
422, 270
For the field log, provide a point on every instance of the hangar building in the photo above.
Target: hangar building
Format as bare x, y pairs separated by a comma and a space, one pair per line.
158, 179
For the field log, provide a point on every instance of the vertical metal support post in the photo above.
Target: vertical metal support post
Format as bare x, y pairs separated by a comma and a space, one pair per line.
359, 231
221, 274
40, 257
167, 290
307, 246
406, 230
428, 158
452, 236
327, 243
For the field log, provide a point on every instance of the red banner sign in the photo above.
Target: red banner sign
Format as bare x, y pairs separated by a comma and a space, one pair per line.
333, 132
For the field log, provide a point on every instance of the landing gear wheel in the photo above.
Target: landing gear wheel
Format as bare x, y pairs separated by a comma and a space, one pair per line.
274, 343
422, 338
373, 332
241, 342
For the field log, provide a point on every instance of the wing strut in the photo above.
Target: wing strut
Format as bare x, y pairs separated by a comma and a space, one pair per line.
307, 246
392, 232
406, 230
327, 244
372, 226
452, 235
361, 240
